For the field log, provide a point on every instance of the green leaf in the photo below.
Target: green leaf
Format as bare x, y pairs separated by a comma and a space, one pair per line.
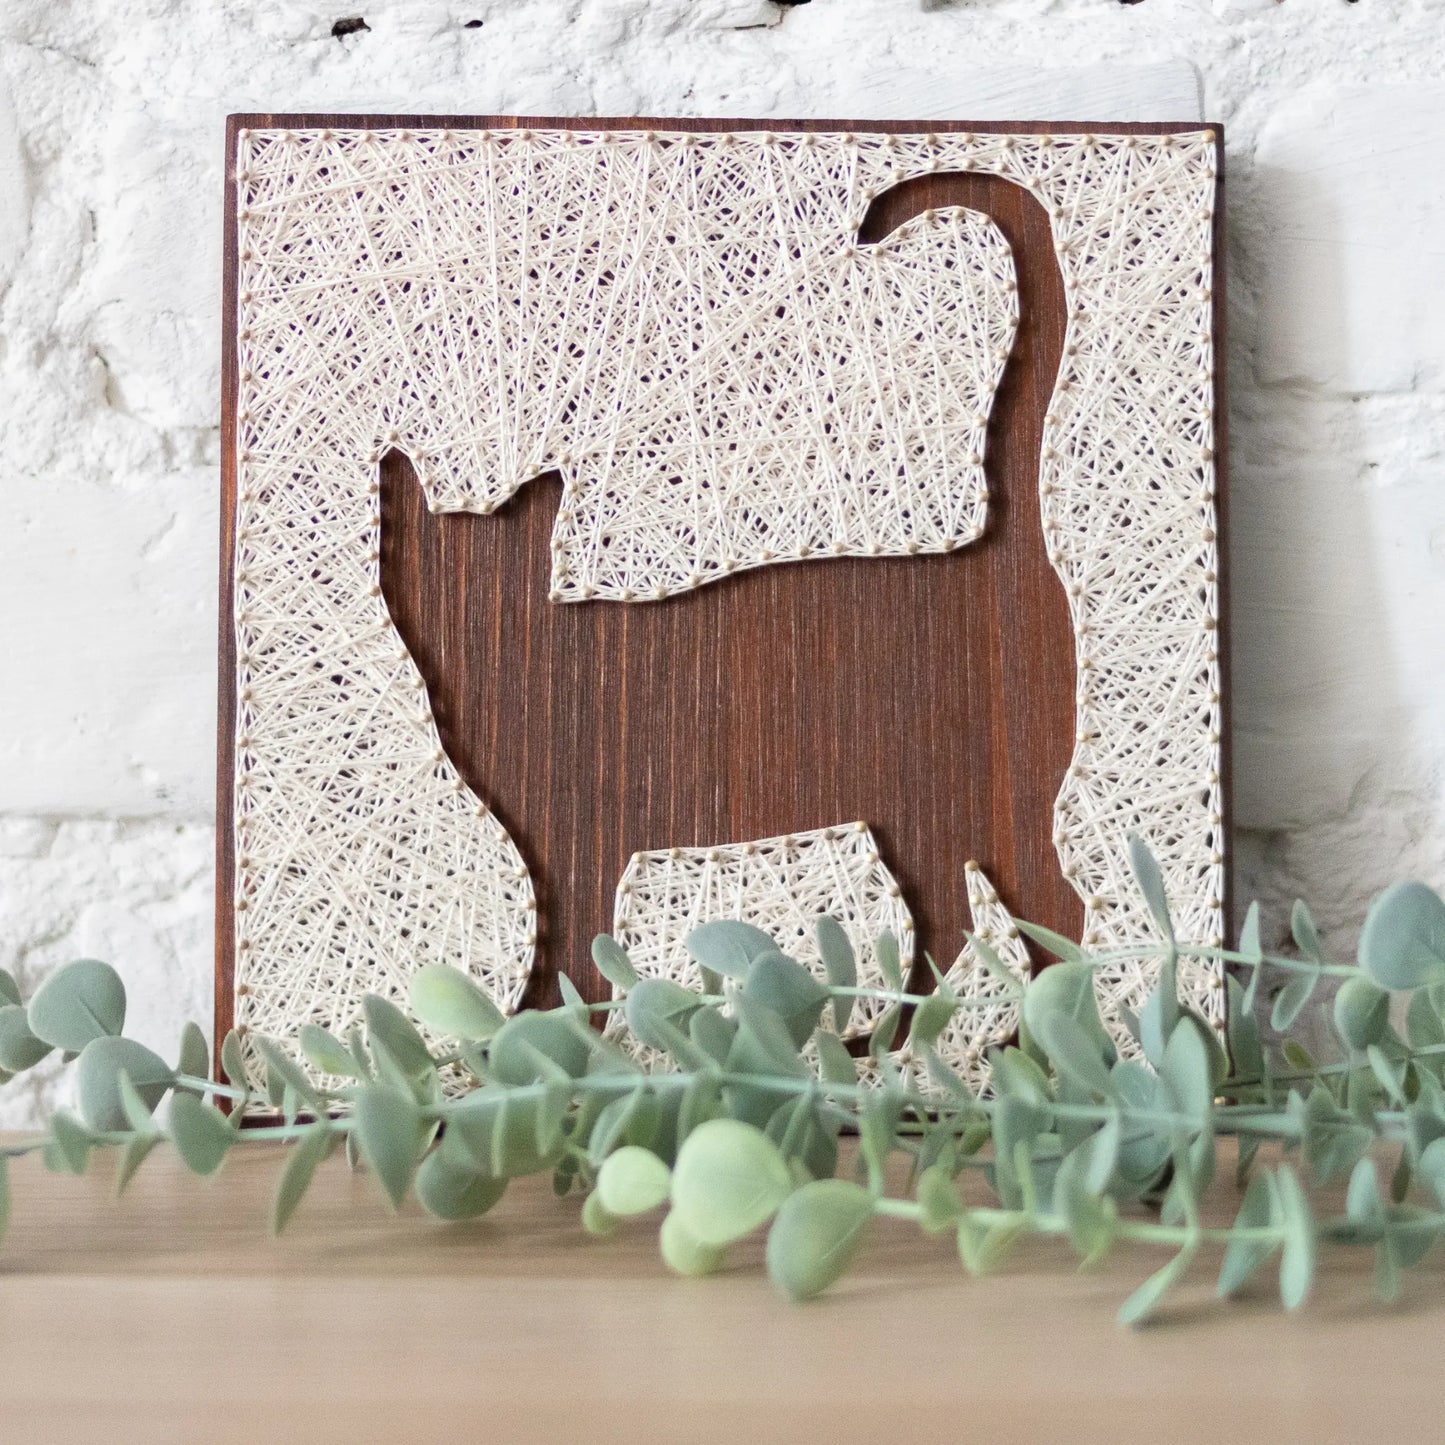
1402, 945
712, 1031
553, 1035
1014, 1073
1289, 1002
135, 1153
931, 1017
388, 1125
233, 1060
835, 1063
97, 1080
889, 963
1306, 935
452, 1004
1243, 1256
1431, 1168
840, 964
595, 1218
656, 1002
1067, 989
686, 1255
632, 1181
505, 1135
1245, 1045
939, 1199
20, 1049
195, 1053
789, 991
612, 962
326, 1053
1074, 1052
817, 1235
729, 948
390, 1032
1363, 1204
79, 1002
991, 963
72, 1141
283, 1073
448, 1191
1150, 1295
200, 1132
729, 1178
1187, 1073
9, 989
1297, 1263
1151, 884
1056, 943
1249, 935
302, 1160
885, 1031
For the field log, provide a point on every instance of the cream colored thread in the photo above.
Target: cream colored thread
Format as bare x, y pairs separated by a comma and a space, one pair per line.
382, 273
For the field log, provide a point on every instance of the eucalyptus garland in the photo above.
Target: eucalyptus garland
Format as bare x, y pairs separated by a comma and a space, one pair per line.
737, 1124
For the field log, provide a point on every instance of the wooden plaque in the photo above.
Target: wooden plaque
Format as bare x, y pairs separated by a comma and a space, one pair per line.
951, 701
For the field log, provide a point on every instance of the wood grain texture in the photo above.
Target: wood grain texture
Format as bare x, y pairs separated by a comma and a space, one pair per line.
170, 1316
931, 696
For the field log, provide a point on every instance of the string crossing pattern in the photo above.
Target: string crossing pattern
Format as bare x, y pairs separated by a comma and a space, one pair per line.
686, 327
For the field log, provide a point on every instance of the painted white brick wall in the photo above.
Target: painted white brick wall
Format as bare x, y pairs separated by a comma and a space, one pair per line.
110, 167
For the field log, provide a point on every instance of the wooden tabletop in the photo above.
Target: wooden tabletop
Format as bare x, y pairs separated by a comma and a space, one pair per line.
172, 1316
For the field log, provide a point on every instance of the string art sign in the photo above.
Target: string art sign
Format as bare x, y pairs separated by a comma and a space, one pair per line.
632, 524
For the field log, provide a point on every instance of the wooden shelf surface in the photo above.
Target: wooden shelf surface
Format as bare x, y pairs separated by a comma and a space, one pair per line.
172, 1316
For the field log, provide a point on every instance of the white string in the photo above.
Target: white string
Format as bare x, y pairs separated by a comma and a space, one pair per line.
608, 304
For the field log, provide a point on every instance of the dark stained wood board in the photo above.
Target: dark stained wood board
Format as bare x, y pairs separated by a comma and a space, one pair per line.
931, 696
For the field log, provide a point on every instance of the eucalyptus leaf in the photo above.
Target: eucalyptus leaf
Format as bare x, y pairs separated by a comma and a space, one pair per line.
72, 1142
1067, 990
1402, 945
789, 991
655, 1002
840, 964
98, 1074
889, 963
816, 1236
9, 989
1150, 1295
326, 1053
282, 1074
612, 962
1306, 935
1243, 1255
20, 1049
80, 1001
391, 1033
302, 1160
987, 958
1151, 884
201, 1133
1289, 1002
729, 1178
450, 1003
1297, 1263
452, 1193
233, 1061
1061, 947
632, 1181
729, 948
195, 1052
1074, 1052
595, 1218
551, 1034
135, 1153
388, 1126
684, 1254
835, 1063
931, 1017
